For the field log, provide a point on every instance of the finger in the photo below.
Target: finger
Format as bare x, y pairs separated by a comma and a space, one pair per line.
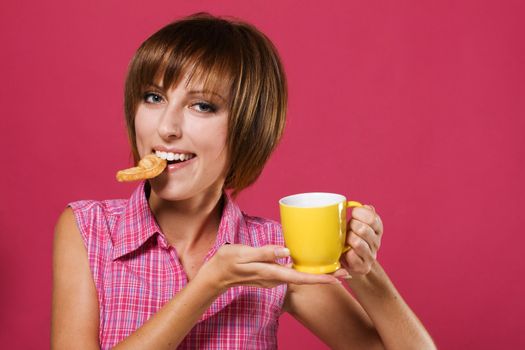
354, 263
279, 273
366, 233
361, 247
369, 217
267, 253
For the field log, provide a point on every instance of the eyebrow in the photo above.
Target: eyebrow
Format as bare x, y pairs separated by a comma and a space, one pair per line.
193, 92
204, 92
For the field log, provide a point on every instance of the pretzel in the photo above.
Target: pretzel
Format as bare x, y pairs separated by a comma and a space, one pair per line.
148, 167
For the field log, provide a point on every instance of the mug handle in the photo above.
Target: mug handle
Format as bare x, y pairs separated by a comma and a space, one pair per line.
350, 204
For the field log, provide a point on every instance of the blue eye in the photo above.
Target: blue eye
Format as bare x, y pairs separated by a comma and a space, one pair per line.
204, 107
151, 97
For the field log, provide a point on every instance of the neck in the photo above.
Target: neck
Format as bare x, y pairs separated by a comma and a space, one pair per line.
187, 222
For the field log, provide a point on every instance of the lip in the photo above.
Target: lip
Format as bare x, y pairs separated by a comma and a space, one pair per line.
169, 149
176, 166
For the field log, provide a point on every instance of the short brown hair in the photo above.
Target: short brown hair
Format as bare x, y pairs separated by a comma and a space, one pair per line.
218, 50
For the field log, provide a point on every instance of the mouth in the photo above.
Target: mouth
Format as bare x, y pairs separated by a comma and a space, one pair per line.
175, 158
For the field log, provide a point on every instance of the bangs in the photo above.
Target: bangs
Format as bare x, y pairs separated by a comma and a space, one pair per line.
210, 63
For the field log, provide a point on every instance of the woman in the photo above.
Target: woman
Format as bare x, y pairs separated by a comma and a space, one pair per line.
178, 264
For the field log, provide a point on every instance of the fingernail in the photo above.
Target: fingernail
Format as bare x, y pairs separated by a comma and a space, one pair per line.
347, 277
282, 252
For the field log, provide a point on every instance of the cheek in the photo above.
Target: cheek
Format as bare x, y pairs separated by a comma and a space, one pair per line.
210, 138
215, 144
142, 130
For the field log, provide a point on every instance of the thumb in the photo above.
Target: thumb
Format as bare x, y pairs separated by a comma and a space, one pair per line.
267, 253
341, 273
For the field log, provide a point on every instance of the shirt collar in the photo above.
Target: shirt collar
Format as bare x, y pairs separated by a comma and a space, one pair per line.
137, 223
231, 221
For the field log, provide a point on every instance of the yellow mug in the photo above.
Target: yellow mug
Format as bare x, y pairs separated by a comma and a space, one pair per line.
314, 226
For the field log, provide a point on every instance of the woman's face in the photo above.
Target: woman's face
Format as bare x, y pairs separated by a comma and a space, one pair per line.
188, 126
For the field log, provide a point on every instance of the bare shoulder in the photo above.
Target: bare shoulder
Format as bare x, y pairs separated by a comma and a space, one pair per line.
68, 246
65, 224
75, 313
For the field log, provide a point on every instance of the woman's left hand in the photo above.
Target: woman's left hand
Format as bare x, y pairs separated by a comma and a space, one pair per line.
364, 232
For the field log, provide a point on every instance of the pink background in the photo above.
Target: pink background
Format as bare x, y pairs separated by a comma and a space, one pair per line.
416, 107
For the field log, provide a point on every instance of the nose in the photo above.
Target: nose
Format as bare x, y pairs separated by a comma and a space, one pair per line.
170, 123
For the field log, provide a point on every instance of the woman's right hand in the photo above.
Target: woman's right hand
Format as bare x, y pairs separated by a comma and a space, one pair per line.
236, 264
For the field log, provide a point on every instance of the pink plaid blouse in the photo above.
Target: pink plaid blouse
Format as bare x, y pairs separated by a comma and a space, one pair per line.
136, 272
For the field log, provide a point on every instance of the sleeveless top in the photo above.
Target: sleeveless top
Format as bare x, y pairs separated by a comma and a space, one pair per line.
136, 272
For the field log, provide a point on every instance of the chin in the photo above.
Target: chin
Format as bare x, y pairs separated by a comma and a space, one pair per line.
177, 190
171, 191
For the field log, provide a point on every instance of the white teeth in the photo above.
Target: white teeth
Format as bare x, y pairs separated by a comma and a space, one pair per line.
173, 156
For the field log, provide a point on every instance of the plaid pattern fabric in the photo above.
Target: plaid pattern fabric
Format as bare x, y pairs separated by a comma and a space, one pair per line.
136, 272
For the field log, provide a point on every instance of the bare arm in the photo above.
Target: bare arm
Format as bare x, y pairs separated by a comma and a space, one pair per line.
333, 315
395, 322
168, 327
75, 313
398, 326
379, 317
232, 265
